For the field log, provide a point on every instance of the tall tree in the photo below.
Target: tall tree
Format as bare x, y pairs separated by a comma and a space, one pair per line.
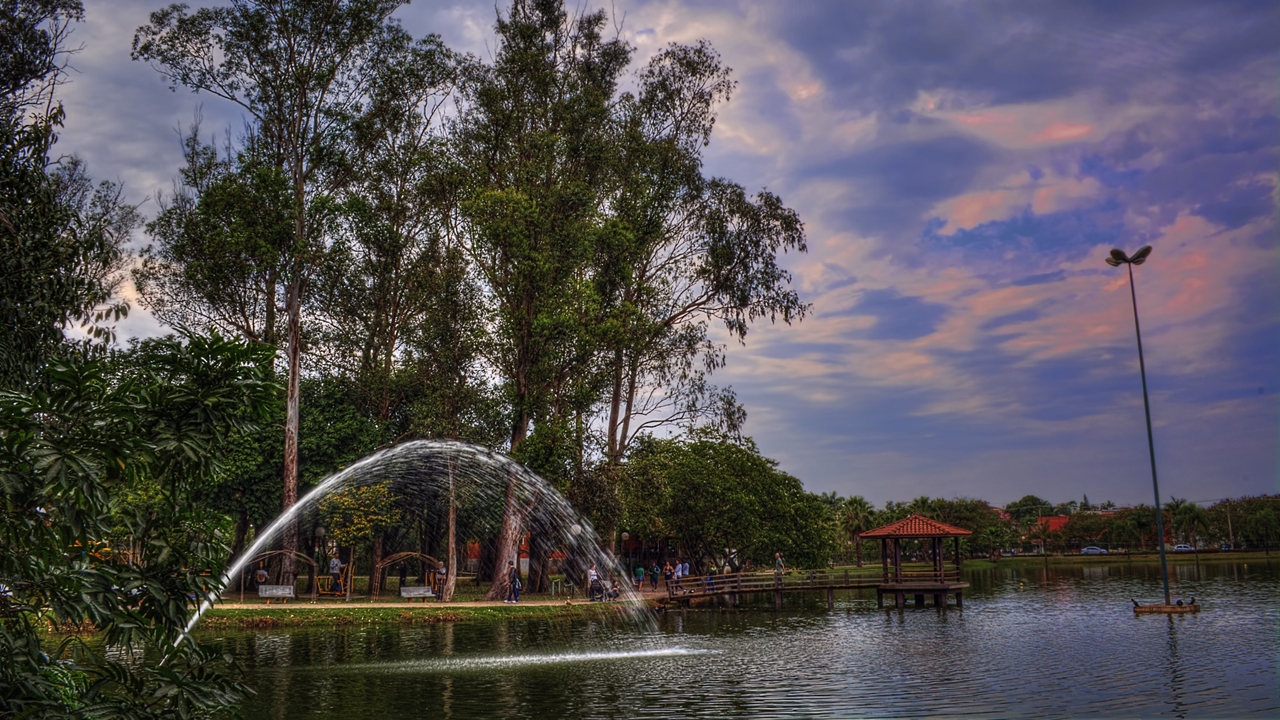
384, 271
701, 250
856, 516
535, 140
301, 69
61, 239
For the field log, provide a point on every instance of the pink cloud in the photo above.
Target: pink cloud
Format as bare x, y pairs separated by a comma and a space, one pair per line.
1060, 131
1014, 195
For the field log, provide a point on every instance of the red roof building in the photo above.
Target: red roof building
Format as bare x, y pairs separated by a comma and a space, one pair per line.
1053, 523
916, 526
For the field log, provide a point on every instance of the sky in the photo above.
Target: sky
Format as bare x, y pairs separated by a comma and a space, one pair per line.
962, 170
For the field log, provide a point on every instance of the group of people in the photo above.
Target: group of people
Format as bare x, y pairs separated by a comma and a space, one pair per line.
673, 575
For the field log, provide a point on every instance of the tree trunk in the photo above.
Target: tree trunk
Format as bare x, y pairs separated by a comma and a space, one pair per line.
615, 406
508, 543
539, 568
237, 540
293, 306
451, 559
375, 574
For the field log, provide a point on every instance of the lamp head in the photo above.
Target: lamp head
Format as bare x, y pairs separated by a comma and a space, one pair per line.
1112, 262
1141, 256
1118, 255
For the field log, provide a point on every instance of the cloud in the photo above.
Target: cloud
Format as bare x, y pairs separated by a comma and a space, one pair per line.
962, 170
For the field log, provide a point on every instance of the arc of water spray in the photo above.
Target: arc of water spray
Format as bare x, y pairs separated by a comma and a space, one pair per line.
579, 530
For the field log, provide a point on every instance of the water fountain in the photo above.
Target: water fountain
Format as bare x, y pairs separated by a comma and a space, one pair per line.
422, 474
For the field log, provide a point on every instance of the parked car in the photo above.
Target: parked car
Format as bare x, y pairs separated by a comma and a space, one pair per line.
1093, 550
1183, 548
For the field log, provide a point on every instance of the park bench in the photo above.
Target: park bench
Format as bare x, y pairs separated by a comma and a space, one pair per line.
416, 591
283, 593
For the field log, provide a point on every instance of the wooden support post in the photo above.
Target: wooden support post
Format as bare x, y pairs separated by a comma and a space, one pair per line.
884, 559
939, 599
899, 599
959, 599
777, 599
831, 598
897, 560
879, 598
919, 600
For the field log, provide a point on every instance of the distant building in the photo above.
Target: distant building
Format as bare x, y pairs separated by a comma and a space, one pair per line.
1053, 523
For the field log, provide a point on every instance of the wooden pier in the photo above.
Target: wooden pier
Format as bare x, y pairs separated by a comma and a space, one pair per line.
898, 578
733, 585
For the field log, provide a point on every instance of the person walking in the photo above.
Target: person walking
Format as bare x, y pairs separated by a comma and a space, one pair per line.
513, 583
678, 573
653, 576
684, 572
639, 577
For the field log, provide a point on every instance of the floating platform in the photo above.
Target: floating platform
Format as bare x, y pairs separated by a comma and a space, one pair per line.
1167, 609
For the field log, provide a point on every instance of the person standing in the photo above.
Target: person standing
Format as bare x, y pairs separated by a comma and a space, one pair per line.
404, 573
335, 571
779, 567
639, 577
653, 576
678, 574
667, 572
595, 590
513, 583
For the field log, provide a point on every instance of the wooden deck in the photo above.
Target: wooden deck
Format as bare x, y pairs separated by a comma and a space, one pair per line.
732, 585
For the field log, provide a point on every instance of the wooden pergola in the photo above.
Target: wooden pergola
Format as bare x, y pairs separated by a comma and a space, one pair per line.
918, 579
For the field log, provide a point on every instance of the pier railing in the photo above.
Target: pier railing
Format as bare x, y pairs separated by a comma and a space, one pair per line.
751, 582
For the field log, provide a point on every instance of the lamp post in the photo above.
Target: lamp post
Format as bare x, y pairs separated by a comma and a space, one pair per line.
1119, 258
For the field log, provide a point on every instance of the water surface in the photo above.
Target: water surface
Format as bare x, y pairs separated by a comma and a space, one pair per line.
1062, 643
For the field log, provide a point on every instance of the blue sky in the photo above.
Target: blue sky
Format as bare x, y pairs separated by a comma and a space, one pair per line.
962, 170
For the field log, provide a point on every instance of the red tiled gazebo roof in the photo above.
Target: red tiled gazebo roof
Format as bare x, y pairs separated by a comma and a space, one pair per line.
915, 526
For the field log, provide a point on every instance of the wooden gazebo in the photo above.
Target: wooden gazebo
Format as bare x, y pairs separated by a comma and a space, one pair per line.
920, 578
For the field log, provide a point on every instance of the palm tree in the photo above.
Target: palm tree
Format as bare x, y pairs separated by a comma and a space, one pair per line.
1172, 509
922, 506
1043, 535
856, 516
1189, 519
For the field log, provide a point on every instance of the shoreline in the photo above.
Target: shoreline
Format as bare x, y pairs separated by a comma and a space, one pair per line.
302, 613
255, 616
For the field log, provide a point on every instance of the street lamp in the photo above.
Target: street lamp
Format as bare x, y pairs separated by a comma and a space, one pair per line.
1119, 258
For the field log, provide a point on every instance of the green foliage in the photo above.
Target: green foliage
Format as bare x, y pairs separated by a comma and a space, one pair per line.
723, 503
73, 453
61, 239
1027, 509
357, 514
220, 243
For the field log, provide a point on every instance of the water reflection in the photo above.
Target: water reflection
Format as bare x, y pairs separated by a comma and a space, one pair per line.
1034, 642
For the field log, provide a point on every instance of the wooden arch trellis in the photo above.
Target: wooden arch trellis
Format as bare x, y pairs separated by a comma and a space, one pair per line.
432, 564
271, 554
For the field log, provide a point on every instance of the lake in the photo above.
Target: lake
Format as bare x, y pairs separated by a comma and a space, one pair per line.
1061, 643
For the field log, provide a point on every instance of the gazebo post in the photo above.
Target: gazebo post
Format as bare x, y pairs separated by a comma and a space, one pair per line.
884, 557
897, 560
